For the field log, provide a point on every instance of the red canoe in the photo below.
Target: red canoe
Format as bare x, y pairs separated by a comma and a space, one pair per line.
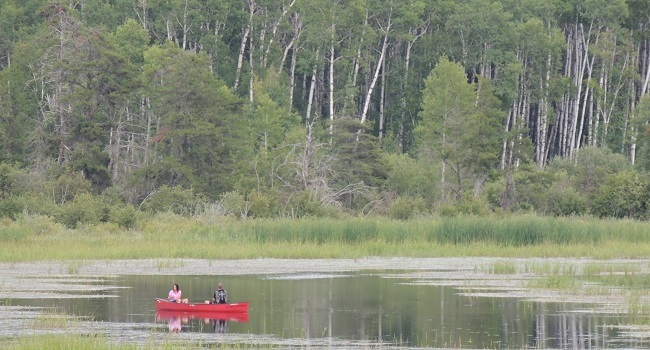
164, 305
226, 316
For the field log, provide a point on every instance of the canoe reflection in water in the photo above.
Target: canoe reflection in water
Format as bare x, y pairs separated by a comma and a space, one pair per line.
219, 326
175, 324
217, 320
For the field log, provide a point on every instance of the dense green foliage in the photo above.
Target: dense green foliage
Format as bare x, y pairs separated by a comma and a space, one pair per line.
114, 110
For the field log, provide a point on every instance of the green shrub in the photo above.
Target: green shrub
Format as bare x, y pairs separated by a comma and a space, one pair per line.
448, 210
469, 205
235, 204
404, 208
38, 203
624, 195
304, 205
67, 186
40, 224
410, 177
262, 205
173, 199
532, 183
9, 176
124, 216
472, 205
10, 232
525, 190
589, 168
567, 203
10, 207
85, 208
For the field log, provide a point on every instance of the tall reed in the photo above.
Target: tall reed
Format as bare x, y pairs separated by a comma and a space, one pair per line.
522, 230
171, 236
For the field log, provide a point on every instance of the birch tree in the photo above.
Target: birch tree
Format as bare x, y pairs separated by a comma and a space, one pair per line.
384, 22
484, 30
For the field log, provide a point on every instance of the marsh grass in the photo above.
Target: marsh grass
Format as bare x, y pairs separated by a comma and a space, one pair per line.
502, 268
74, 266
51, 320
100, 342
631, 281
553, 269
556, 282
611, 269
171, 236
63, 342
638, 311
567, 275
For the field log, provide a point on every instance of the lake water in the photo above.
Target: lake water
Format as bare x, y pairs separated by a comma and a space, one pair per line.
365, 309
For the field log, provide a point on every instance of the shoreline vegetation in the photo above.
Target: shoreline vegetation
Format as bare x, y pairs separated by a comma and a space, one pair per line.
35, 238
172, 238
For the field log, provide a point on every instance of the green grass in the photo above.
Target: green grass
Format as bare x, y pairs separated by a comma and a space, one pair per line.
503, 268
638, 312
100, 342
170, 236
63, 342
555, 282
51, 320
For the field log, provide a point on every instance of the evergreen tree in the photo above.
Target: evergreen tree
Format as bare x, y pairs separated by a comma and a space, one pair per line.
459, 126
200, 126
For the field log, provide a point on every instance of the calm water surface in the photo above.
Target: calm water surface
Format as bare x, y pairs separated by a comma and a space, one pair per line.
367, 308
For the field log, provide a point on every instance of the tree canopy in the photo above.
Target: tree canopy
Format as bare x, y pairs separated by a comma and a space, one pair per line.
311, 108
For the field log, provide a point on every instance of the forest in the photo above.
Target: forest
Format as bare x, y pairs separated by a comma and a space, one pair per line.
110, 109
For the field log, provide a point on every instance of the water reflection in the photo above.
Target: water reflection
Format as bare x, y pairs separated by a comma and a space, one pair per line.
219, 326
373, 309
216, 320
175, 324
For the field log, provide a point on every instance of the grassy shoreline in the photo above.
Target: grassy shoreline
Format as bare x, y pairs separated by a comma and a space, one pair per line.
167, 236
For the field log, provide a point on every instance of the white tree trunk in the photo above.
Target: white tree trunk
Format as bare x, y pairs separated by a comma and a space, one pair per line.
634, 133
312, 90
331, 80
292, 77
608, 110
580, 65
170, 29
186, 27
382, 98
274, 31
115, 141
646, 64
405, 86
242, 48
375, 76
285, 53
251, 64
240, 57
504, 145
143, 18
542, 150
297, 30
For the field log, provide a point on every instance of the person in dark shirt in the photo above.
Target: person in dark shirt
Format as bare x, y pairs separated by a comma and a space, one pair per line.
220, 296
